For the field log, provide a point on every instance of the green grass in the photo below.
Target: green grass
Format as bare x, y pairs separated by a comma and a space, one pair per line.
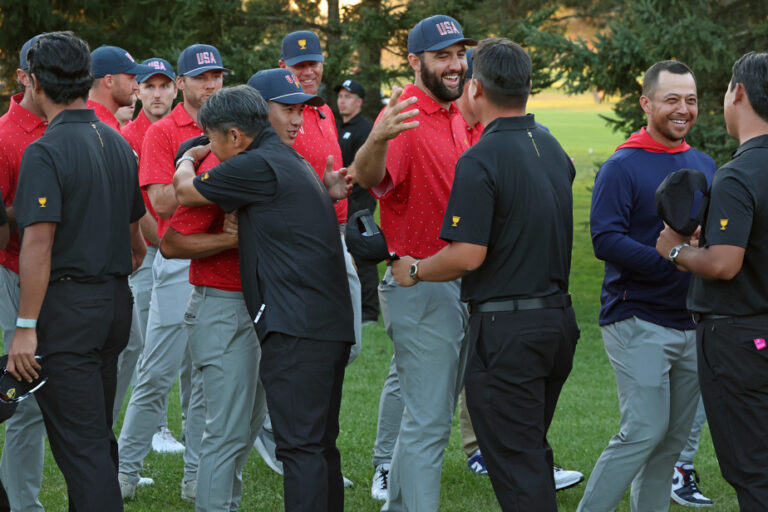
587, 414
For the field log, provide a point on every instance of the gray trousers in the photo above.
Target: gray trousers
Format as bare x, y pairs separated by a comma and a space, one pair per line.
390, 415
21, 467
164, 349
427, 324
224, 347
658, 389
692, 445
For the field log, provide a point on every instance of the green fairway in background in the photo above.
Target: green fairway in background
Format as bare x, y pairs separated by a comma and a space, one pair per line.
586, 417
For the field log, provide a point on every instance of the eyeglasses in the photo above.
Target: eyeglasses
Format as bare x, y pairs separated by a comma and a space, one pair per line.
9, 390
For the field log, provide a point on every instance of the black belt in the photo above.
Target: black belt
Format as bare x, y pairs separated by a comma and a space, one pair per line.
700, 317
561, 301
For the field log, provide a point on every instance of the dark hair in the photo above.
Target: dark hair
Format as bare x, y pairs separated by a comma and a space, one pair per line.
240, 106
751, 70
504, 69
61, 63
651, 77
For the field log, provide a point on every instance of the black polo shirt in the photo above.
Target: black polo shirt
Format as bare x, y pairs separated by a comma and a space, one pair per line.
738, 215
82, 175
512, 194
291, 261
3, 213
352, 135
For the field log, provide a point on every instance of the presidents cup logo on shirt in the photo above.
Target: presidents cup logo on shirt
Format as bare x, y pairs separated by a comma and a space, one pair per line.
455, 220
723, 224
205, 176
206, 58
42, 201
302, 44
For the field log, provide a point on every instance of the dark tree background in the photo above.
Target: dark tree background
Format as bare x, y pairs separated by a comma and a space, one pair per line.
631, 34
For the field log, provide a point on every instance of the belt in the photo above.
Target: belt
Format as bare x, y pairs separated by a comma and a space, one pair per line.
561, 301
700, 317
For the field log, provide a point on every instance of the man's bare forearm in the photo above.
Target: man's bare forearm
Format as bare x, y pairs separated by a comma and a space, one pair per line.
195, 245
148, 226
369, 166
163, 199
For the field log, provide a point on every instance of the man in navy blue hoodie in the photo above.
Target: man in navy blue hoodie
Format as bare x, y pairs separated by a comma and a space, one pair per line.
648, 333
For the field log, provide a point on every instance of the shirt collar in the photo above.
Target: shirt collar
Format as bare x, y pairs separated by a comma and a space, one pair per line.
85, 115
761, 141
352, 121
181, 117
265, 135
102, 112
525, 122
425, 102
28, 121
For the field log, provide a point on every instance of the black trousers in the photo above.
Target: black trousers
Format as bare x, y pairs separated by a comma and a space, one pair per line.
517, 365
368, 274
733, 376
81, 331
302, 379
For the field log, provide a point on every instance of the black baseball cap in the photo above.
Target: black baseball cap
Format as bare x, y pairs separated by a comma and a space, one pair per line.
435, 33
300, 46
352, 86
681, 200
159, 66
282, 86
23, 64
111, 60
365, 240
198, 58
12, 391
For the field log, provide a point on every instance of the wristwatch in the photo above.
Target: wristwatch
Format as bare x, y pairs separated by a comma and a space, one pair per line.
414, 272
673, 254
185, 157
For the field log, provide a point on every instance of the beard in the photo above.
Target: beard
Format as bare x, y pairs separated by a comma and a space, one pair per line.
435, 85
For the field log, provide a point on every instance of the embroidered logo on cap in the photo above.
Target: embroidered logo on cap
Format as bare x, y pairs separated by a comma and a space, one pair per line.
206, 58
723, 223
11, 393
456, 220
156, 64
303, 44
347, 83
129, 56
42, 201
447, 27
293, 80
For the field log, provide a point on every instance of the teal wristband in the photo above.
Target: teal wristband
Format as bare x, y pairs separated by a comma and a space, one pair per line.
27, 323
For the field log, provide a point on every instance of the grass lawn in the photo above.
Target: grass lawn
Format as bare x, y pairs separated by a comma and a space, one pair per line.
587, 414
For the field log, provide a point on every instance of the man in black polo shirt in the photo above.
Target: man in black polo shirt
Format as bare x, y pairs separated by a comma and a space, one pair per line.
353, 129
78, 203
729, 290
294, 282
509, 222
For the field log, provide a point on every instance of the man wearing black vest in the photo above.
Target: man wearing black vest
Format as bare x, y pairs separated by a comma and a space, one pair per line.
294, 282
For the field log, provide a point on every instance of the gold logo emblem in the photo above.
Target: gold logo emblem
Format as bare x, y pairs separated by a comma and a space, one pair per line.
723, 223
42, 201
455, 221
205, 176
303, 44
11, 393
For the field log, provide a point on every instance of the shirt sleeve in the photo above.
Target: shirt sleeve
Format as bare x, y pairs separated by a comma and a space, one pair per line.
138, 209
731, 211
609, 223
7, 176
38, 196
397, 161
237, 182
157, 162
188, 144
469, 215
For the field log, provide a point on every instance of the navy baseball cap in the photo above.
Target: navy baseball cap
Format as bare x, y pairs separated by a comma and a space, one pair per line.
111, 60
435, 33
301, 46
160, 67
352, 86
23, 64
681, 200
199, 58
470, 52
282, 86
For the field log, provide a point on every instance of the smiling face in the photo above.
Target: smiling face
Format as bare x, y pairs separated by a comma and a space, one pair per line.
442, 73
309, 73
157, 94
671, 108
286, 120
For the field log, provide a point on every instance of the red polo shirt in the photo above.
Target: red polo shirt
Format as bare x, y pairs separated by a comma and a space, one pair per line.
471, 133
158, 162
104, 115
316, 140
18, 129
221, 270
420, 166
134, 133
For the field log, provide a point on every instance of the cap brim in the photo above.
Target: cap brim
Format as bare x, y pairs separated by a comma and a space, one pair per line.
201, 70
314, 57
139, 69
144, 78
295, 98
451, 42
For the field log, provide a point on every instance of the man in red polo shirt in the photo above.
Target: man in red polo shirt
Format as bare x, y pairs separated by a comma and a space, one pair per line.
115, 84
412, 176
24, 431
222, 344
200, 75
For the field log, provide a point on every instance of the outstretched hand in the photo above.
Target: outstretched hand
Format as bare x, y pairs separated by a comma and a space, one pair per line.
393, 120
337, 183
